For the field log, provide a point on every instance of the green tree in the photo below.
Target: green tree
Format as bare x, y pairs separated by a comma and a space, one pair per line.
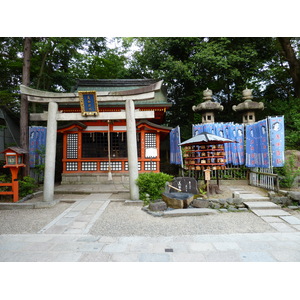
190, 65
10, 71
291, 53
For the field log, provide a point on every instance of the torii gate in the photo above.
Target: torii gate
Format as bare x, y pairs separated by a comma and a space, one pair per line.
52, 116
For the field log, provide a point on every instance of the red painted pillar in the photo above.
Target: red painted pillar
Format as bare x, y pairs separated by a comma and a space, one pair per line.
15, 183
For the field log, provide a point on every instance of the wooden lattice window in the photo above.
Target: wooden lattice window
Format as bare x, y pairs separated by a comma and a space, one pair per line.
150, 140
94, 144
72, 166
72, 145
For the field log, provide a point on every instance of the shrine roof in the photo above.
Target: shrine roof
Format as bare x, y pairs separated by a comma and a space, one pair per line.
112, 84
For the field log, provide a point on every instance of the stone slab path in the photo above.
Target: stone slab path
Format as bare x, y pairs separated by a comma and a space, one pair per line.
270, 212
80, 217
249, 247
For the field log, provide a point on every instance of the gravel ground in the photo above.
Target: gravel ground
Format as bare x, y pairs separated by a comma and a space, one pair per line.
20, 221
122, 220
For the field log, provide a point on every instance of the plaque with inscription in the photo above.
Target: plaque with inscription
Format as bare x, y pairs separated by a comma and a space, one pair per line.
88, 103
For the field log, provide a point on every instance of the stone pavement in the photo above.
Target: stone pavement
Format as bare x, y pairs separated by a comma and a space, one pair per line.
80, 217
250, 247
67, 239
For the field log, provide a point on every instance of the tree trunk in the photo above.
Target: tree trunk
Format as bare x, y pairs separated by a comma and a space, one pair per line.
293, 62
24, 135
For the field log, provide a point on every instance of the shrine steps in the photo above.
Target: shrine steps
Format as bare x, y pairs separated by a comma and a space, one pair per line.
94, 183
90, 178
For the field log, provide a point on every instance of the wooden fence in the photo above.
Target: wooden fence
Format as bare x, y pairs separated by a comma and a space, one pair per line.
231, 172
265, 178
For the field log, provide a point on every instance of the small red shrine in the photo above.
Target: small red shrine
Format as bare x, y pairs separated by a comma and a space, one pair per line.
99, 146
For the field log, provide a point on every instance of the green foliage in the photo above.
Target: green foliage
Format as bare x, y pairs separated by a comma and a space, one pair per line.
290, 108
56, 64
152, 184
288, 172
39, 169
27, 186
4, 179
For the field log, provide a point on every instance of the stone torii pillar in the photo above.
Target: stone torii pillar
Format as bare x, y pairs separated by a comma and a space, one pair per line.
50, 157
132, 150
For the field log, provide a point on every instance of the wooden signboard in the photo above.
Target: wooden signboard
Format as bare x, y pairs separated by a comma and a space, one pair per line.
88, 103
207, 174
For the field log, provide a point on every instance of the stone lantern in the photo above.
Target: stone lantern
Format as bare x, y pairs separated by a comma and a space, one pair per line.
208, 107
248, 107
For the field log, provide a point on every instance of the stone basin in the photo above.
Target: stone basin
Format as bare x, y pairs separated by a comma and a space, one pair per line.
178, 200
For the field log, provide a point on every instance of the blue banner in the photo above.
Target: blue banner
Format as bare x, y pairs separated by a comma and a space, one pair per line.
276, 127
257, 145
175, 150
37, 145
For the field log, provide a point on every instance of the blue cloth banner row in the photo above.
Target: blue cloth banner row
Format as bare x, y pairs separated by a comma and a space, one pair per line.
234, 151
175, 150
264, 142
37, 145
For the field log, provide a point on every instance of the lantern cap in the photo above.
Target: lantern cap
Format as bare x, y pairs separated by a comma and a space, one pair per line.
18, 150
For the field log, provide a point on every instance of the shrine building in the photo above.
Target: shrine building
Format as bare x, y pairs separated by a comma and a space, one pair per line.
95, 143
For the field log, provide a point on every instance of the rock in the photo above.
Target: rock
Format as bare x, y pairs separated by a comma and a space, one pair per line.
222, 202
232, 208
294, 196
158, 206
223, 210
216, 206
185, 184
293, 207
242, 209
200, 203
235, 195
271, 194
178, 200
240, 206
237, 201
280, 200
229, 201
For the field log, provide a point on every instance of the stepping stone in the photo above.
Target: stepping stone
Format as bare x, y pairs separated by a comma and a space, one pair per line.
272, 219
282, 227
261, 205
253, 197
270, 212
291, 220
189, 212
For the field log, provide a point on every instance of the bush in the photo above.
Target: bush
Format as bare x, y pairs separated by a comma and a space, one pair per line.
4, 179
288, 173
152, 184
27, 186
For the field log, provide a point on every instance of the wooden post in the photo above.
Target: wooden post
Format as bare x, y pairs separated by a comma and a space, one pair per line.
207, 180
15, 183
109, 154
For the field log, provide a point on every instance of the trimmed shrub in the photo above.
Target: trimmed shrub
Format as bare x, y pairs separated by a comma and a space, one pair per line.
151, 185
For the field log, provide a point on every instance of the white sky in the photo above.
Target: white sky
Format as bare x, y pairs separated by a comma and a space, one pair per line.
157, 18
